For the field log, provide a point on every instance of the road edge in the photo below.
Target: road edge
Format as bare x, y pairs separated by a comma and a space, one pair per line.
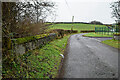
62, 64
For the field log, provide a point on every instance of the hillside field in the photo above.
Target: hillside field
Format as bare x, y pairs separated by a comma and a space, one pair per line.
77, 26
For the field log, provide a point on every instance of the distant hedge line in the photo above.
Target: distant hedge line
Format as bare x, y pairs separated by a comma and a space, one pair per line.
87, 31
61, 32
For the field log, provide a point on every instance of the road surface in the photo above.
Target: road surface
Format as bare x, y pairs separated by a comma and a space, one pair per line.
88, 58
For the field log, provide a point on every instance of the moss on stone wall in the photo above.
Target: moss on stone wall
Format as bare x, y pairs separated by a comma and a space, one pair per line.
26, 39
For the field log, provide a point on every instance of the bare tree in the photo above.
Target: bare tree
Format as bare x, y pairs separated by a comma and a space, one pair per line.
23, 18
36, 10
116, 10
17, 15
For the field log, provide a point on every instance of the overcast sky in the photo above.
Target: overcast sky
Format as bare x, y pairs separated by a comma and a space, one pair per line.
84, 11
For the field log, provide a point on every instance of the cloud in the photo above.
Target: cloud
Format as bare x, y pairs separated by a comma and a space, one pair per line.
85, 0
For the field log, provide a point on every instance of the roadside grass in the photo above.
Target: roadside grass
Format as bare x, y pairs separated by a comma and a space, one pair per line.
97, 35
113, 43
39, 63
77, 26
45, 62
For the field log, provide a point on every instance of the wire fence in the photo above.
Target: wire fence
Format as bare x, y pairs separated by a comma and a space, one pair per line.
107, 30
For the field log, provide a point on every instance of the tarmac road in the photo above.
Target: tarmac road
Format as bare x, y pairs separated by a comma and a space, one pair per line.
88, 58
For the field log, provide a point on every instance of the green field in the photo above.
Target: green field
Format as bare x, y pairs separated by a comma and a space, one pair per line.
77, 26
113, 43
97, 35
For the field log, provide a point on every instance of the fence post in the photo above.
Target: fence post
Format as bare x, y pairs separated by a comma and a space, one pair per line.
99, 30
116, 30
95, 29
102, 30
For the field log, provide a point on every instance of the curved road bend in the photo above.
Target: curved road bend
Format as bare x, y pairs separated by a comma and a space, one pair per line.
88, 58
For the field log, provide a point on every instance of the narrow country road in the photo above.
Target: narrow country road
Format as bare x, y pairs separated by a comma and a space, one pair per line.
88, 58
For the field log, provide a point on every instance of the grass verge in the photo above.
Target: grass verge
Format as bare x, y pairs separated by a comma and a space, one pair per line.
97, 35
46, 61
39, 63
113, 43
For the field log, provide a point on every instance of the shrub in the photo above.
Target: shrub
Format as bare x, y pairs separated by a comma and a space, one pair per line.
117, 34
74, 31
67, 31
96, 22
60, 32
29, 29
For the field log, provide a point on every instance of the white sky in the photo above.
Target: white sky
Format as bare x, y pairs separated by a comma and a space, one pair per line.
84, 11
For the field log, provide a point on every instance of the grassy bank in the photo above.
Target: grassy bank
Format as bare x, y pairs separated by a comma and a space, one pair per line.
39, 63
97, 35
76, 26
113, 43
46, 61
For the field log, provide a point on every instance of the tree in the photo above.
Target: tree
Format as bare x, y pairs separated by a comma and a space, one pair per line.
116, 10
96, 22
35, 11
18, 16
8, 25
23, 18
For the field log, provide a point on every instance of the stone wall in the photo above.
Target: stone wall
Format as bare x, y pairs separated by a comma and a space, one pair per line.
20, 49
